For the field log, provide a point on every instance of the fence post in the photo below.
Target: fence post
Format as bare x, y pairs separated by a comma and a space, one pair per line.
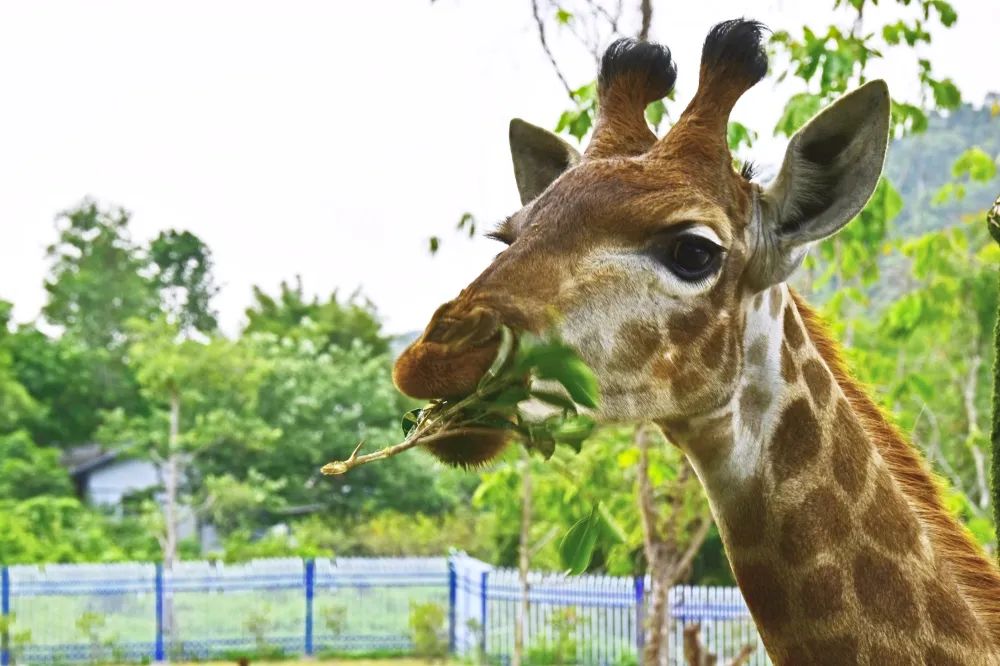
482, 609
640, 614
158, 655
310, 585
452, 597
5, 615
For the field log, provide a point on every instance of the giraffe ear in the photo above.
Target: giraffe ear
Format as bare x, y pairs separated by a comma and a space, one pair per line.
830, 170
539, 158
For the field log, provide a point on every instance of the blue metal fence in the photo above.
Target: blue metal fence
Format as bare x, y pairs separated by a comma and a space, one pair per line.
142, 612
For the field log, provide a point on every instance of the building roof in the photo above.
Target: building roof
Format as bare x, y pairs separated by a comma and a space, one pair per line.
86, 458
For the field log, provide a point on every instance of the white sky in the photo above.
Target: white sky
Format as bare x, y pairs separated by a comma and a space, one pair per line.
327, 138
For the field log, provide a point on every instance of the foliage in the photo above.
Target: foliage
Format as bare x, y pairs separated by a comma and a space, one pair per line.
97, 282
182, 274
561, 648
27, 470
329, 323
56, 529
428, 630
322, 400
70, 385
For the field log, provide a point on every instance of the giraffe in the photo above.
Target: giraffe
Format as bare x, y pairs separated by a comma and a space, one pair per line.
666, 269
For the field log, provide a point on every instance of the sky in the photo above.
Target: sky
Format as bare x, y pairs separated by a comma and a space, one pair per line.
327, 139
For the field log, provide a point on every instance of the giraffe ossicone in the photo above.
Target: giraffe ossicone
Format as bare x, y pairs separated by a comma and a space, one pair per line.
666, 269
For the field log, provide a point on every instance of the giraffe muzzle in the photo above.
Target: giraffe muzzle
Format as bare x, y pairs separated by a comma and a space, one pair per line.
452, 355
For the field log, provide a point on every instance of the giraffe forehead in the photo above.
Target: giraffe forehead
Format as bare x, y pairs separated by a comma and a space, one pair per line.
628, 199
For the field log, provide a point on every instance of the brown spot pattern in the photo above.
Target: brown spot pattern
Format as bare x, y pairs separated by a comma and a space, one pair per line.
851, 451
635, 344
764, 593
775, 299
837, 651
796, 440
793, 332
883, 591
757, 352
758, 300
714, 348
815, 526
753, 402
746, 515
883, 655
950, 615
821, 594
687, 327
788, 370
818, 380
888, 518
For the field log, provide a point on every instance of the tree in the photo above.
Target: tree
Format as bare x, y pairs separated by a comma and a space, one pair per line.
202, 397
291, 314
993, 225
71, 385
675, 522
182, 273
28, 470
16, 404
97, 283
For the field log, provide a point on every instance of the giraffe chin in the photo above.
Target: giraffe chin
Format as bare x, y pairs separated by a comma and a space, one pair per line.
469, 450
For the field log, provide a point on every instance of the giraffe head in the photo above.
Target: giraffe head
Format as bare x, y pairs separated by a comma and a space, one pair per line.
645, 253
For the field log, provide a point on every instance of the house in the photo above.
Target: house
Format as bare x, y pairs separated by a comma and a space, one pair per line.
104, 477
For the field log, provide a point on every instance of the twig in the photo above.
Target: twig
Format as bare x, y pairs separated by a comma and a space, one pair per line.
545, 47
342, 466
646, 9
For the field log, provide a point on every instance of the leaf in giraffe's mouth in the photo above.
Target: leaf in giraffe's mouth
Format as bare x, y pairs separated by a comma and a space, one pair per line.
475, 429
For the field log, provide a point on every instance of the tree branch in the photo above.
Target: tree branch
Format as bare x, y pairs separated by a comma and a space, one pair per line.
646, 10
343, 466
545, 47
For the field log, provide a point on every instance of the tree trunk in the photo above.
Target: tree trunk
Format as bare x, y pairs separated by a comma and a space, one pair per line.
993, 224
523, 561
670, 545
657, 646
170, 482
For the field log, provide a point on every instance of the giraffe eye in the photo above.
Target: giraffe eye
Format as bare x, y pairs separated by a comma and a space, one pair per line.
689, 256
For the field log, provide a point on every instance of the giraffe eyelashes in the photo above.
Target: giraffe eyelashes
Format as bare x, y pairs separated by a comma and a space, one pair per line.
691, 257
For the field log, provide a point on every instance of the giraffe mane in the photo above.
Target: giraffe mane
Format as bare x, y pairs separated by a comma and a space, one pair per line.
977, 578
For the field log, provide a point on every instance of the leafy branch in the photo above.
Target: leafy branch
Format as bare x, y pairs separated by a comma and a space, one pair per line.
544, 372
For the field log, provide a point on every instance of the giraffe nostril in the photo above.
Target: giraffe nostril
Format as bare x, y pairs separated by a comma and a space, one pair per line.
473, 329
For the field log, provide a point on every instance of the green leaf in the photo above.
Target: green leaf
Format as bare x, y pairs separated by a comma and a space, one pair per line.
558, 361
739, 135
976, 164
434, 243
611, 531
560, 400
541, 440
576, 548
563, 17
502, 357
946, 93
574, 430
798, 110
410, 420
468, 223
655, 112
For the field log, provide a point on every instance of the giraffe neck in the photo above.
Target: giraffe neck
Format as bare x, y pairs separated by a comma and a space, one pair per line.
832, 557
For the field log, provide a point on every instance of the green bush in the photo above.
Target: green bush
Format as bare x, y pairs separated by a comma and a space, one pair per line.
428, 630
